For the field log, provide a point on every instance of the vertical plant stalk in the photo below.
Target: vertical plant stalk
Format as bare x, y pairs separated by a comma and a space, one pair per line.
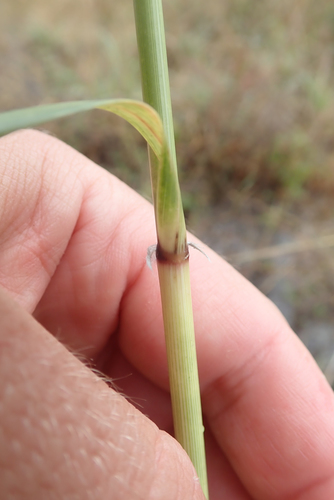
172, 248
182, 363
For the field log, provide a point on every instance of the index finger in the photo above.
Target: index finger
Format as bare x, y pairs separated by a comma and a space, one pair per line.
266, 401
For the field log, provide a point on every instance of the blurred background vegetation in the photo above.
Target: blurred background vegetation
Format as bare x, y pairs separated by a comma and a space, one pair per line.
253, 96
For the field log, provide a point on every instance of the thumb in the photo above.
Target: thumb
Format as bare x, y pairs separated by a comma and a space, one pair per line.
65, 434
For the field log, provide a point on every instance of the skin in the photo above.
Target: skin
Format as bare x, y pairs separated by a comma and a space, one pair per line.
73, 240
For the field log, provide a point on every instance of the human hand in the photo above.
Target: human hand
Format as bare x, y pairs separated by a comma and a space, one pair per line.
73, 241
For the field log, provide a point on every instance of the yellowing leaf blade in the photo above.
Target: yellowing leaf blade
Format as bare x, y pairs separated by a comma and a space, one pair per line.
166, 193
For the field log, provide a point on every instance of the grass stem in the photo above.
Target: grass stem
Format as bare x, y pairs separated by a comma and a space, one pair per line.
172, 251
182, 363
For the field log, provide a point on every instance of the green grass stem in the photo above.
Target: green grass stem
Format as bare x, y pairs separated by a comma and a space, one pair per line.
172, 249
156, 92
153, 63
182, 363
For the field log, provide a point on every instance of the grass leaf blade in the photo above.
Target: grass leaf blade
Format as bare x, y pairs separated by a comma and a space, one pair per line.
144, 118
148, 123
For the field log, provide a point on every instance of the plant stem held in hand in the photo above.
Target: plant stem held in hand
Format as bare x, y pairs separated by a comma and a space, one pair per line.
172, 248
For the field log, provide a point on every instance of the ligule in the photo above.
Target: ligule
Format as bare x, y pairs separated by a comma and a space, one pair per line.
173, 258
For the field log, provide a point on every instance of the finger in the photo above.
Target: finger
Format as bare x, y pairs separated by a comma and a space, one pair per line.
155, 403
150, 399
67, 238
266, 401
65, 434
223, 481
39, 207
